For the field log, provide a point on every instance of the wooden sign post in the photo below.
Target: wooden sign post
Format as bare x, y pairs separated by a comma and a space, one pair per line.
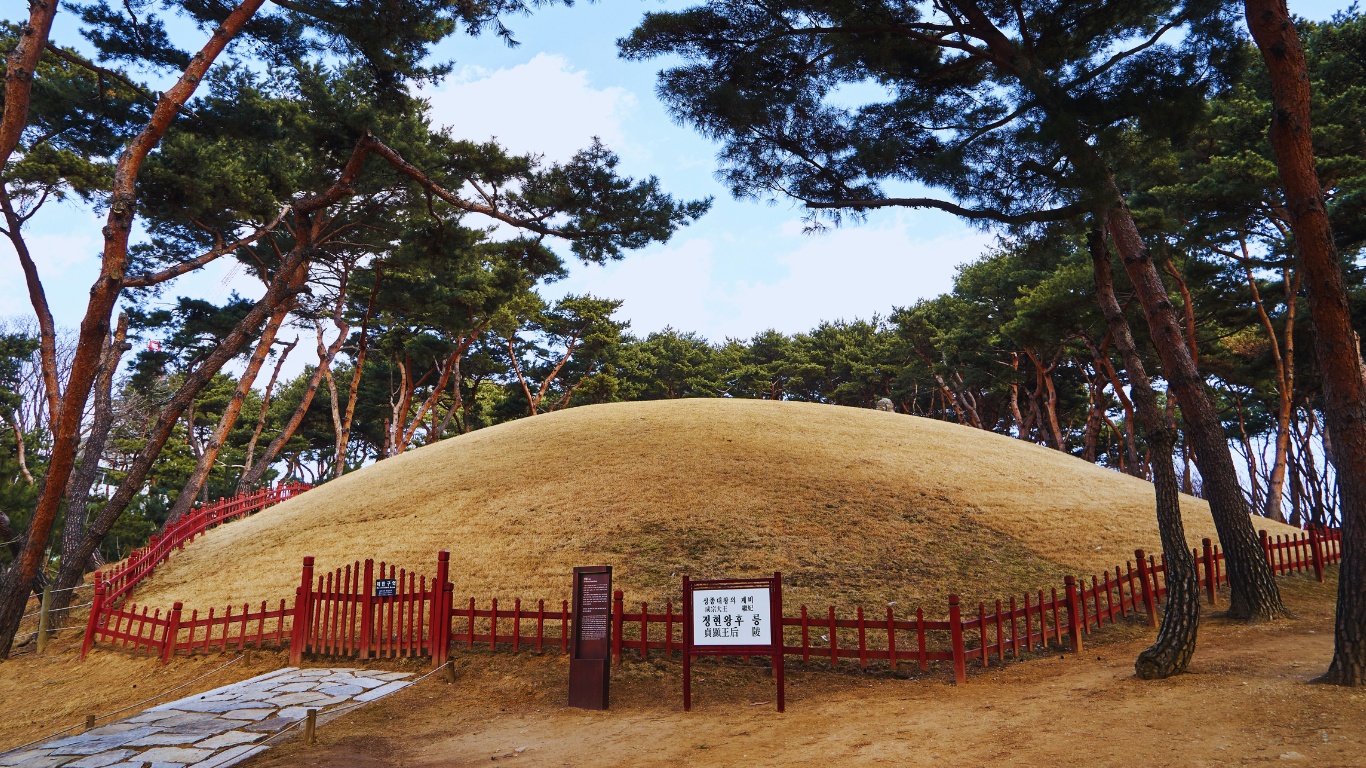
590, 652
730, 617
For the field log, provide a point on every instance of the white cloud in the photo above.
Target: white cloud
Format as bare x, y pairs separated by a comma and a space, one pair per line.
65, 244
843, 274
851, 272
543, 106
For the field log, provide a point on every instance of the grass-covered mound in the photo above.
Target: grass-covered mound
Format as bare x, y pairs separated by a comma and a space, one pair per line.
851, 504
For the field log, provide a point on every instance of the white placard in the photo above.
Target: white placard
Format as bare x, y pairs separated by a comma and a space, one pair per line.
731, 617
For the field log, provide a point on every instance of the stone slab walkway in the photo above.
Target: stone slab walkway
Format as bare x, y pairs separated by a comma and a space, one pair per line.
214, 729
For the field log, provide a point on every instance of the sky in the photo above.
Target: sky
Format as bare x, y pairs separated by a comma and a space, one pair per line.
745, 267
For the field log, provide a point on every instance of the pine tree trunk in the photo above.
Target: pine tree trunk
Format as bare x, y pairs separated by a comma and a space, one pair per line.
253, 476
1253, 592
344, 432
265, 405
1335, 343
281, 289
94, 329
198, 479
71, 569
1171, 653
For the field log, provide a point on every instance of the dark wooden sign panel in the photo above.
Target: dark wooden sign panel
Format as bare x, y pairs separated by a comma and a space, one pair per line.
386, 587
590, 642
728, 617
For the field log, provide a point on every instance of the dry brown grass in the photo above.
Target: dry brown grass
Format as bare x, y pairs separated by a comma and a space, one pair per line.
851, 504
48, 693
1247, 702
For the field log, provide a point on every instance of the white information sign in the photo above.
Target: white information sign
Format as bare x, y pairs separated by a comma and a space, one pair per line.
731, 617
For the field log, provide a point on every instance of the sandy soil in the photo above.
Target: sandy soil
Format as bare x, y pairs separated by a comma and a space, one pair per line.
40, 695
1247, 701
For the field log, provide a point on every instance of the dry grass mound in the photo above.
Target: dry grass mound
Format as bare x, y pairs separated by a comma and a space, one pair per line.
851, 504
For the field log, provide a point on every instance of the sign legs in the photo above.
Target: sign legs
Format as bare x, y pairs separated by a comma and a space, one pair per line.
687, 644
733, 617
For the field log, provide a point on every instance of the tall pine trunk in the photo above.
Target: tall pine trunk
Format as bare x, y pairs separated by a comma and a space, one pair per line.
357, 371
70, 569
265, 405
1253, 592
94, 329
1335, 342
199, 477
326, 354
1171, 653
282, 289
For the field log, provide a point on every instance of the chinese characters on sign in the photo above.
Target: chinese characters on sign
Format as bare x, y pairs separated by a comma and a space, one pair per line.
726, 617
732, 617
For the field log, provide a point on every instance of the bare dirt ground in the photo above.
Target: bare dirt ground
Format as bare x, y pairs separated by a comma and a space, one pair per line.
43, 694
1247, 701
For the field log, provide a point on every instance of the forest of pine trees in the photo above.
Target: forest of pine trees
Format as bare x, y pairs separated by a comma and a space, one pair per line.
307, 160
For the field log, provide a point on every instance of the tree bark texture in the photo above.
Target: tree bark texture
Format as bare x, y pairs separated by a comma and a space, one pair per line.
19, 68
94, 328
1171, 653
1335, 343
70, 571
1253, 592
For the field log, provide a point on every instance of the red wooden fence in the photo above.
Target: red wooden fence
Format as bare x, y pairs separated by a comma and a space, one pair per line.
1005, 629
341, 616
110, 619
141, 562
337, 614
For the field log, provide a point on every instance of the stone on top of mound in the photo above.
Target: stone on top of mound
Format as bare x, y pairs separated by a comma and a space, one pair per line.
852, 505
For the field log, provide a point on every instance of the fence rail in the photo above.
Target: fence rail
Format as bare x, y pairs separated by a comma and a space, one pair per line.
341, 613
113, 585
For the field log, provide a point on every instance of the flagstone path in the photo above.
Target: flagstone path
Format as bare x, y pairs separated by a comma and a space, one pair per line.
214, 729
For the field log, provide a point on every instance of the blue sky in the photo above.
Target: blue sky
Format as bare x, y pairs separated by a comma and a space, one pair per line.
745, 267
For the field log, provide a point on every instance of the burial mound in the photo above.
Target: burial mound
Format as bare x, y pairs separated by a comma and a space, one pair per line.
852, 505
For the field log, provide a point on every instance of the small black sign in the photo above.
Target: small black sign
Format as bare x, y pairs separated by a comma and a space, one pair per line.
386, 587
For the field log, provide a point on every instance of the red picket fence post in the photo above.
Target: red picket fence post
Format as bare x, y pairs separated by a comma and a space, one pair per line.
493, 625
1149, 604
1073, 613
644, 630
891, 638
367, 606
168, 641
93, 623
1266, 549
618, 610
303, 600
439, 625
960, 664
448, 609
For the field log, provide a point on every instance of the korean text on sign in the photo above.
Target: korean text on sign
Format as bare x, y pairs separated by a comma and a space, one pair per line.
731, 617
